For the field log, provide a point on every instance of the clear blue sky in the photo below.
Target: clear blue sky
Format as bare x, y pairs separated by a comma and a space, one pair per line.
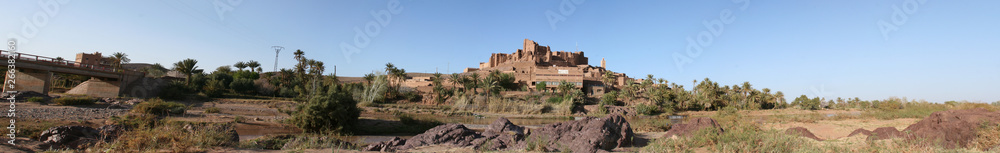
945, 50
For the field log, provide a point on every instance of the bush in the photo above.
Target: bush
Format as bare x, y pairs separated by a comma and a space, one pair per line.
241, 85
213, 110
245, 75
159, 107
36, 99
645, 109
554, 100
214, 88
332, 112
610, 98
75, 101
175, 90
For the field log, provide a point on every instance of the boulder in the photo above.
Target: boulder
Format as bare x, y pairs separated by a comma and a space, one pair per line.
385, 146
587, 135
953, 128
501, 134
449, 134
693, 125
69, 136
801, 131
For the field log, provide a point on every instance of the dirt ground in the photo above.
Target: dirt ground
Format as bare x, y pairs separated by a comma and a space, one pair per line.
837, 129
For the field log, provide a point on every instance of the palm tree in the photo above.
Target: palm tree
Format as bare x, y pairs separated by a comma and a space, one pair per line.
240, 65
369, 77
475, 82
299, 55
223, 69
253, 65
187, 67
454, 80
609, 79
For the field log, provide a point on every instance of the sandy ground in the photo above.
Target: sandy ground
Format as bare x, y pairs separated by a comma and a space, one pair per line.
836, 129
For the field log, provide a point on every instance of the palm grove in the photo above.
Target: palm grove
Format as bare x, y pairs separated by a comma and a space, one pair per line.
329, 106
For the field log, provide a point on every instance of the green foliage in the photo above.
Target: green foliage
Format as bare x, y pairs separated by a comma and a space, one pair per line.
541, 86
807, 104
246, 75
187, 67
36, 99
136, 120
375, 91
334, 112
214, 88
242, 85
610, 98
159, 107
554, 100
646, 109
175, 90
72, 101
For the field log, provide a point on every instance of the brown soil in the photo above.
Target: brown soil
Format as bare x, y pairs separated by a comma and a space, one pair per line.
954, 128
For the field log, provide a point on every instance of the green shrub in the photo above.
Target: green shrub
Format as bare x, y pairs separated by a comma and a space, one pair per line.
239, 119
36, 99
332, 112
213, 110
159, 107
241, 85
610, 98
214, 88
175, 90
645, 109
75, 100
554, 100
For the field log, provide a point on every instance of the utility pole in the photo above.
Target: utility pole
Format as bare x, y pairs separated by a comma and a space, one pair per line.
277, 49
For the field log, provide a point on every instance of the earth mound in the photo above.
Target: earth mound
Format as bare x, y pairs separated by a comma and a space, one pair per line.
954, 128
801, 131
860, 131
693, 125
885, 133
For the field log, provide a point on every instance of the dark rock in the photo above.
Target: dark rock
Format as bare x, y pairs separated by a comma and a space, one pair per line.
693, 125
449, 134
801, 131
69, 136
385, 146
587, 135
501, 134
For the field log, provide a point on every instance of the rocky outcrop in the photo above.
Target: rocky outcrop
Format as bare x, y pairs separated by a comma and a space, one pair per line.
501, 134
801, 131
69, 136
587, 135
953, 128
693, 125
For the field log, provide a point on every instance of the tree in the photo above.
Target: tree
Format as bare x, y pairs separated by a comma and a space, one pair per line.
223, 69
253, 65
455, 78
540, 86
187, 67
240, 65
474, 79
368, 78
489, 85
120, 59
609, 79
334, 111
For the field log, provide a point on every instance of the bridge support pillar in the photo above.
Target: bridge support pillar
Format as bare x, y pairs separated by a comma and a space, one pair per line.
30, 80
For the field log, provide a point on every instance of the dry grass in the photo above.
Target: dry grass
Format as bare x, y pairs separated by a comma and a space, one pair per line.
170, 137
988, 138
503, 105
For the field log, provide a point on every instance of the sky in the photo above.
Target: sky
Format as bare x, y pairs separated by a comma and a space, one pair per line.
919, 49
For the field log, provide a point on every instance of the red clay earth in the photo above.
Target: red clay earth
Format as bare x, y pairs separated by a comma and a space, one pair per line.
860, 131
801, 131
955, 128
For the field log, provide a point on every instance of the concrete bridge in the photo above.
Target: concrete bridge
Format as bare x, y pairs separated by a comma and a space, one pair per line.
34, 73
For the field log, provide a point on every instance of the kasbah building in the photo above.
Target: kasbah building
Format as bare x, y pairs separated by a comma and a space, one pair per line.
534, 64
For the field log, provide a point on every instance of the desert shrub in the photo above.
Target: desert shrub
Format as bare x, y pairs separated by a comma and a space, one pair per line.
213, 110
332, 112
239, 119
172, 138
412, 96
889, 104
270, 142
987, 138
970, 105
241, 85
317, 142
75, 100
646, 109
740, 136
159, 107
36, 99
912, 110
136, 120
264, 87
554, 100
374, 92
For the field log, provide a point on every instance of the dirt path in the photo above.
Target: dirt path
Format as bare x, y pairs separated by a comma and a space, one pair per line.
836, 129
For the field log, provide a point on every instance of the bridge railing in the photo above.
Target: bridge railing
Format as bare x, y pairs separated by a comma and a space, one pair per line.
63, 62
